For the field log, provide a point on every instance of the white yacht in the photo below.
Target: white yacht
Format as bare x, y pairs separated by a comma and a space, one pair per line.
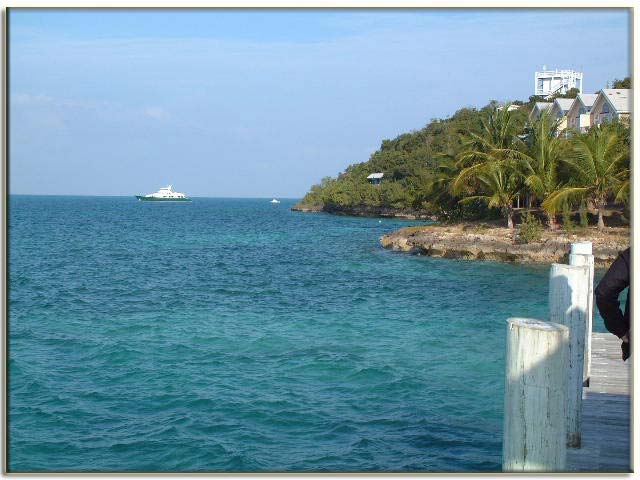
165, 194
274, 201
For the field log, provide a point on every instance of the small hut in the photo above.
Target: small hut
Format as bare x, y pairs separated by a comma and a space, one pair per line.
375, 178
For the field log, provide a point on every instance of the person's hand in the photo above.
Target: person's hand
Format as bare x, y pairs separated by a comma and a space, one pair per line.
626, 346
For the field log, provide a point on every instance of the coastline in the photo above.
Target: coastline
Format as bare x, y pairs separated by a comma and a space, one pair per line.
482, 241
381, 212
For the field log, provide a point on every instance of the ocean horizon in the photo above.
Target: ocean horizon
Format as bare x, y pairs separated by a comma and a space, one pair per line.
133, 195
231, 334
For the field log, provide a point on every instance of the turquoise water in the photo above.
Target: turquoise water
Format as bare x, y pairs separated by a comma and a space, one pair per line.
236, 335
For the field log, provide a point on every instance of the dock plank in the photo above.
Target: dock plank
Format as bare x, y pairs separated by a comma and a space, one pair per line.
606, 409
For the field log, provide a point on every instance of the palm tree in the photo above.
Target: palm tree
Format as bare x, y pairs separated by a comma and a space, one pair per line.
486, 165
623, 192
498, 184
440, 178
498, 131
538, 159
436, 188
599, 162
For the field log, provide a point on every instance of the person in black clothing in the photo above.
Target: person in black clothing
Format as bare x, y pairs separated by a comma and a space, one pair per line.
617, 278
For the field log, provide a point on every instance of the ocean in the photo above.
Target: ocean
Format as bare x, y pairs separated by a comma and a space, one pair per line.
236, 335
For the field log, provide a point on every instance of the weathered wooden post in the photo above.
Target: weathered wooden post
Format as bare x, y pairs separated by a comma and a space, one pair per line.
582, 254
535, 396
568, 289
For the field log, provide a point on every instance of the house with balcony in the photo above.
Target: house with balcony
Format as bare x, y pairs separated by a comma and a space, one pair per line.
550, 82
579, 115
611, 104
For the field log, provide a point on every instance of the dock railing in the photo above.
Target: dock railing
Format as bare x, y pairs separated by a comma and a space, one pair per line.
546, 365
582, 254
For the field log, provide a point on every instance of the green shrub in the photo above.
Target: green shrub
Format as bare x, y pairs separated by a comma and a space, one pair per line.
530, 229
568, 224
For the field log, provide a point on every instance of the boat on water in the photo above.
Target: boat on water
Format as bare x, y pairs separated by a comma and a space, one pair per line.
274, 201
165, 194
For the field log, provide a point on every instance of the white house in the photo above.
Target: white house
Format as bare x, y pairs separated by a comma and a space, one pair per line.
611, 103
579, 115
549, 82
510, 108
559, 111
537, 110
375, 178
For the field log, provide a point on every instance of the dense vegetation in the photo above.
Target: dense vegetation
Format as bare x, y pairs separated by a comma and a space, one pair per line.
624, 83
480, 163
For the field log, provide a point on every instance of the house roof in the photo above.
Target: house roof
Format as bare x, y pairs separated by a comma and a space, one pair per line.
375, 175
563, 103
587, 99
620, 98
543, 105
538, 108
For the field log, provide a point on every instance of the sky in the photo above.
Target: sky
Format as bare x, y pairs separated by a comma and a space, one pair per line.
265, 102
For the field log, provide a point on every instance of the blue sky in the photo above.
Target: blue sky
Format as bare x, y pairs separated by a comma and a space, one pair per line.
264, 103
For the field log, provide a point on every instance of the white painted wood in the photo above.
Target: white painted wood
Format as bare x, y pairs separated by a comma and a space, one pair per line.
582, 248
535, 398
586, 259
568, 303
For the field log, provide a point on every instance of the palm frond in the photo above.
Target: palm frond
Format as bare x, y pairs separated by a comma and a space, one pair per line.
554, 202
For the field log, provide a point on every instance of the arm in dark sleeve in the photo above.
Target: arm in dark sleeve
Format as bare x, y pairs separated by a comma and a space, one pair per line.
612, 284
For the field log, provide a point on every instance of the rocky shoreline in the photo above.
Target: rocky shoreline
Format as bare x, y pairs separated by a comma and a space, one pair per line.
485, 242
366, 211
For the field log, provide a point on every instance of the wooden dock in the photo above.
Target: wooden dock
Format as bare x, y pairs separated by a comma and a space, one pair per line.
606, 409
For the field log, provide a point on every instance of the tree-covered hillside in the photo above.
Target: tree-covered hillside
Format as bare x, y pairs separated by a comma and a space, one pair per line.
478, 163
410, 162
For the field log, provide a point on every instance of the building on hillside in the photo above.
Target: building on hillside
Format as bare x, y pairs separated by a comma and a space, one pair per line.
579, 115
559, 111
375, 178
537, 110
611, 104
510, 108
550, 82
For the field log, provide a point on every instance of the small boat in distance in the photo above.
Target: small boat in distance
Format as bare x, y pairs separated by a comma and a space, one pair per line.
274, 201
165, 194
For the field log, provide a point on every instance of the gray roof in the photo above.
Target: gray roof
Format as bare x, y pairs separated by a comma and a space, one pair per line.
620, 98
543, 105
538, 108
588, 99
375, 175
564, 103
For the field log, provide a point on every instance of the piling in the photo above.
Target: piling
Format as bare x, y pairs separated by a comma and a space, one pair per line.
568, 291
535, 399
582, 254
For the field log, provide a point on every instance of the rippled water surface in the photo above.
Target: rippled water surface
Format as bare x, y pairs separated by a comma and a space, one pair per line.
236, 335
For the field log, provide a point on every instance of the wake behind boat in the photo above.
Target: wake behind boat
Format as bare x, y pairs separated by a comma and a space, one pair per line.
165, 194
